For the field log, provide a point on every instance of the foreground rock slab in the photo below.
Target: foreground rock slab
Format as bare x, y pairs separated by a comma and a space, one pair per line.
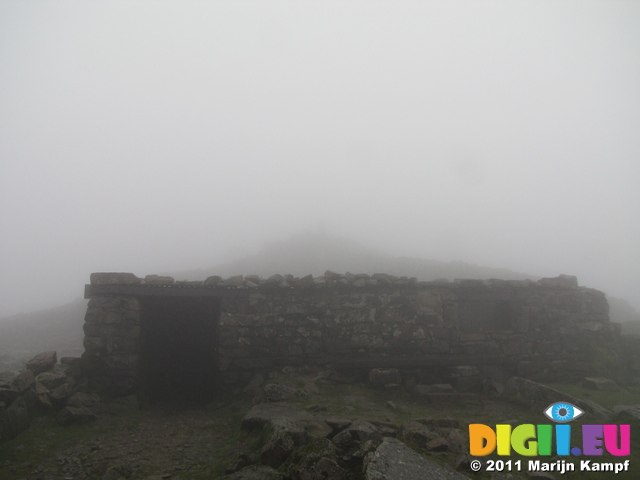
256, 473
393, 460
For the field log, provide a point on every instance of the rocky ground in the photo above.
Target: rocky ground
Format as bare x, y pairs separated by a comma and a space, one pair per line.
292, 424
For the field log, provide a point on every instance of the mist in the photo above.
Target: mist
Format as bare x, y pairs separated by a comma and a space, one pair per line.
170, 136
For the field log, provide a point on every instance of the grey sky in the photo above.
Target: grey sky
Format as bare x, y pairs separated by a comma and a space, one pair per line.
158, 136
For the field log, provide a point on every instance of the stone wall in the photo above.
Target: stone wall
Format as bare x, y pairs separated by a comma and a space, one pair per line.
111, 342
550, 330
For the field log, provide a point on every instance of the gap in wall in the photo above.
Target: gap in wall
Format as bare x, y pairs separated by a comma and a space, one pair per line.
178, 343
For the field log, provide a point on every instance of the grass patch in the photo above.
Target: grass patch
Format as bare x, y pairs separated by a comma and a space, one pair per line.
626, 396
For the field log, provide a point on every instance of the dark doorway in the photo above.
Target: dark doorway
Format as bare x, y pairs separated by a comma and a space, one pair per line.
178, 348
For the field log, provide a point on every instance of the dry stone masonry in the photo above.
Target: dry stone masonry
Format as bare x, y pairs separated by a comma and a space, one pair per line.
159, 335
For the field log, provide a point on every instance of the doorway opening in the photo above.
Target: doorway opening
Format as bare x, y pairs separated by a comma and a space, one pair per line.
178, 345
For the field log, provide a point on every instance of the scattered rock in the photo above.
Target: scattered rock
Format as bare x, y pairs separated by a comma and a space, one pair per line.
8, 393
601, 384
438, 444
293, 428
318, 429
304, 282
277, 392
234, 281
337, 424
627, 414
74, 415
417, 433
356, 434
239, 462
387, 429
317, 408
434, 434
277, 449
51, 380
61, 393
320, 468
24, 381
7, 377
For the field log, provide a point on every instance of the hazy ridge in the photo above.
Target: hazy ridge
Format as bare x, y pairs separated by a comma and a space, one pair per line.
315, 253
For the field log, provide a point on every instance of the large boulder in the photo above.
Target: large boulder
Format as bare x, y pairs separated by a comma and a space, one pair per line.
393, 460
43, 362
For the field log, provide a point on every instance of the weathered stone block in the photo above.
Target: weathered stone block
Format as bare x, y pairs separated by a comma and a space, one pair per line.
42, 362
158, 280
51, 379
114, 278
24, 381
393, 460
562, 281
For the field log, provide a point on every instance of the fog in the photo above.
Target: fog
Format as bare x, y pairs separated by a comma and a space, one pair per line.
165, 136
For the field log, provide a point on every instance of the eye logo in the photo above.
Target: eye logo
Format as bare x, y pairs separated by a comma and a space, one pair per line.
563, 412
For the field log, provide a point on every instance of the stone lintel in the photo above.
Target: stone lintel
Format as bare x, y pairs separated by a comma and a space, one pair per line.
164, 291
